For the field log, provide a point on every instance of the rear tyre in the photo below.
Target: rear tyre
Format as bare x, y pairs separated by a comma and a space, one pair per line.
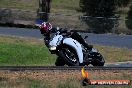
98, 60
59, 62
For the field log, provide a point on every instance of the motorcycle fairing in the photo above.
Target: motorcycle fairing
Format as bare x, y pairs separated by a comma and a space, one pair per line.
75, 45
55, 42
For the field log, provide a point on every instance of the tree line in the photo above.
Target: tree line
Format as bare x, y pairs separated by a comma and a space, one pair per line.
107, 9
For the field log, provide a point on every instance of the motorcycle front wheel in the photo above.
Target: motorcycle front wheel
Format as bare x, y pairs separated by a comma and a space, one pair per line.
70, 56
59, 62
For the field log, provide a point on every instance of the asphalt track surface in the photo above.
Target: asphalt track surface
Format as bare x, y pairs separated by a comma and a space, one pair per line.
123, 41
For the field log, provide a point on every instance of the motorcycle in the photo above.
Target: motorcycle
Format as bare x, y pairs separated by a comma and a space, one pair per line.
71, 52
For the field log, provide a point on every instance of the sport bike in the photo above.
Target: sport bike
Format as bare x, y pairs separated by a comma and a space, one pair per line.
71, 52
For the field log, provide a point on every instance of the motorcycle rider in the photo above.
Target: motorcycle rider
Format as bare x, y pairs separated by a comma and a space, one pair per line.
47, 30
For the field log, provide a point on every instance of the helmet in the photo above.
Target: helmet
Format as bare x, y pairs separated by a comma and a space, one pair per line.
45, 27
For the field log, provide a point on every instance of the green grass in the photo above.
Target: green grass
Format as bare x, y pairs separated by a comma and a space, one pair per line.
29, 51
21, 52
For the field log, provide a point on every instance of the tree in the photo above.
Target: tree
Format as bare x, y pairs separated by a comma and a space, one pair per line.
122, 3
129, 19
44, 9
102, 13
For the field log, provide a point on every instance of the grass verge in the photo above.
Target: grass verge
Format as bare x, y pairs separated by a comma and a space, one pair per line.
115, 54
58, 79
30, 51
17, 51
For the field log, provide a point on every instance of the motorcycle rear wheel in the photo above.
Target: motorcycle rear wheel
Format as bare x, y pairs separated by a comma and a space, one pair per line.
98, 60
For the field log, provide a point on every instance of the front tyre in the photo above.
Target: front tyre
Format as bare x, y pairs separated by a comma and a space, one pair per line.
59, 62
98, 60
70, 56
